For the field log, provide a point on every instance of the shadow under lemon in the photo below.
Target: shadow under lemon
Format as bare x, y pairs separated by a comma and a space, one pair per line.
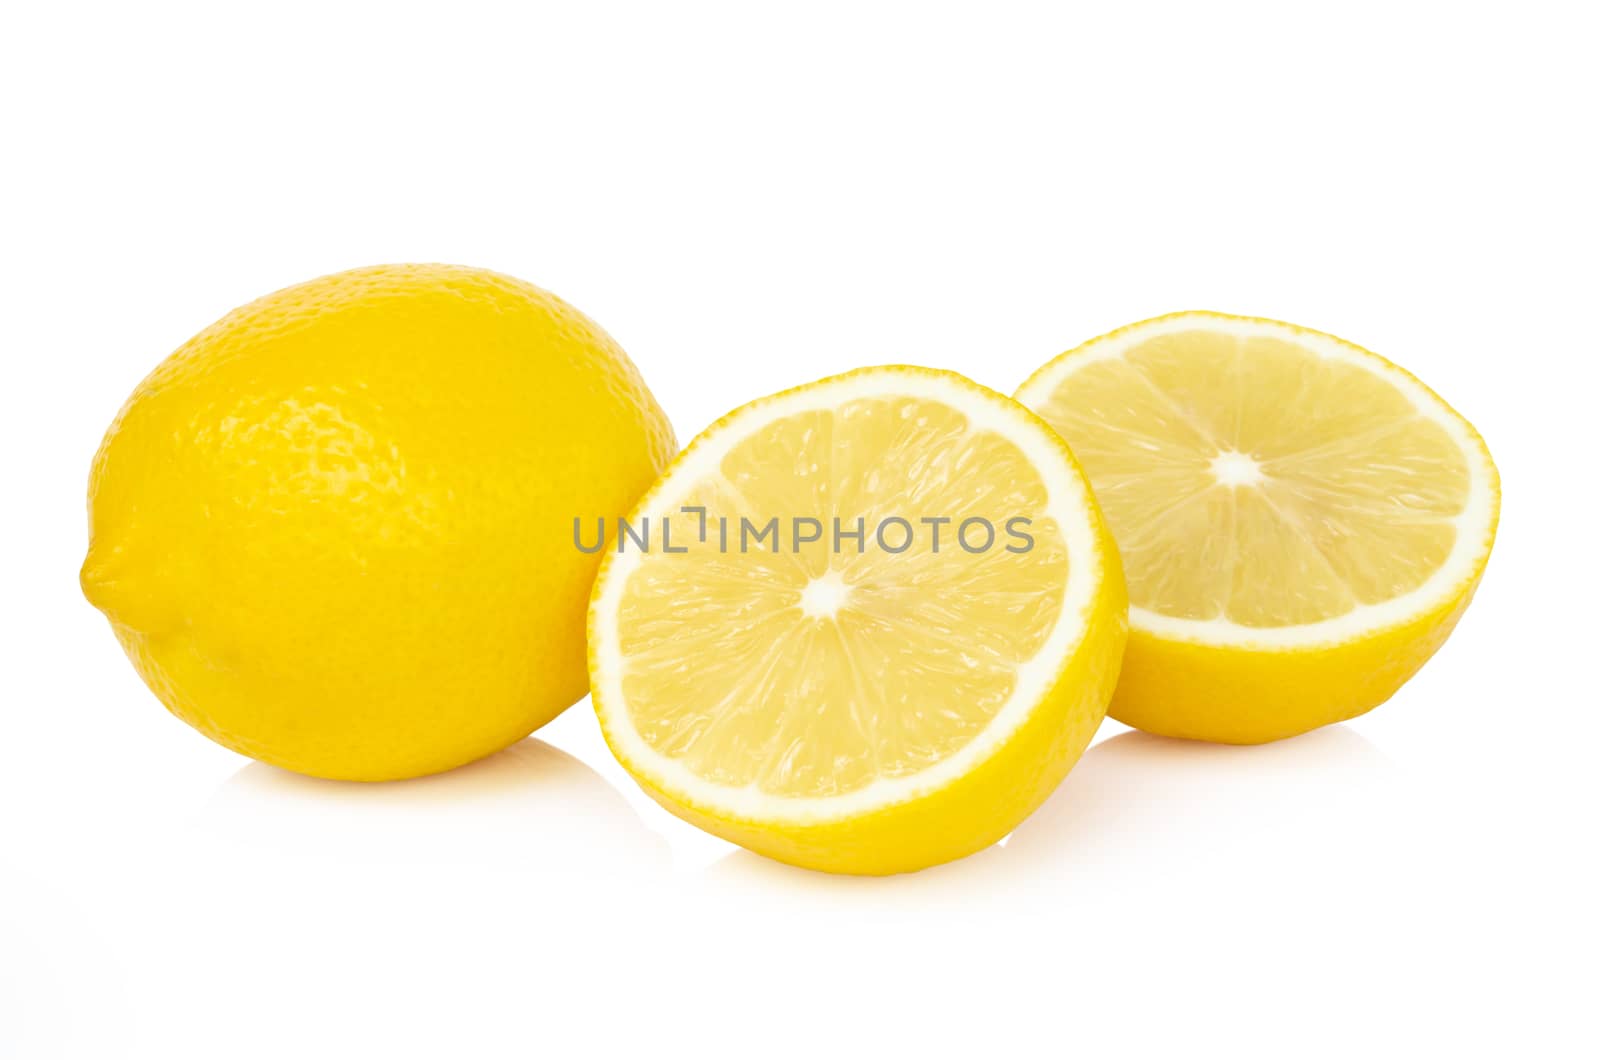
1139, 811
530, 805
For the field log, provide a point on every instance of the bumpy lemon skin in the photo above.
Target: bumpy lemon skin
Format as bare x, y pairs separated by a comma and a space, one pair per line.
1257, 694
984, 805
333, 531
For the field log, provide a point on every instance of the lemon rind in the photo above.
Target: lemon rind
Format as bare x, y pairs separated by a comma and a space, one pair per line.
1070, 505
1475, 525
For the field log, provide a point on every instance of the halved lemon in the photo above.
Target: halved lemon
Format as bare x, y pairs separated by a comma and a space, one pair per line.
901, 672
1302, 522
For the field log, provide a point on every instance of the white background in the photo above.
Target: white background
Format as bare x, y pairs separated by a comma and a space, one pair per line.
749, 198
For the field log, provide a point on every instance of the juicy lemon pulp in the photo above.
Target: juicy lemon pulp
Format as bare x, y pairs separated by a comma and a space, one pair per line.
1252, 480
811, 672
905, 667
1302, 522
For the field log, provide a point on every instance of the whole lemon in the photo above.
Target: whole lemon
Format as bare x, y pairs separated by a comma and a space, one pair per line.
334, 531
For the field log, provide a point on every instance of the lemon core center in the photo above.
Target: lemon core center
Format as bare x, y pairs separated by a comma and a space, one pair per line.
824, 596
1235, 469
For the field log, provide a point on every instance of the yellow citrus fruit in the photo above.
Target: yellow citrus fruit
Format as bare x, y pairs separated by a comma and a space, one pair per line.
1302, 522
333, 531
856, 691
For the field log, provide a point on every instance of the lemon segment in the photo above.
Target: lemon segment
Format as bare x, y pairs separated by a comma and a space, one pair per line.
1301, 522
821, 703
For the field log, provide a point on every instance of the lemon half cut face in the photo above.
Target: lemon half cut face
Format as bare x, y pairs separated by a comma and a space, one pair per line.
871, 703
1302, 522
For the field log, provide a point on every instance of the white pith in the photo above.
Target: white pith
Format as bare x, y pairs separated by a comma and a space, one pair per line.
1474, 525
1069, 505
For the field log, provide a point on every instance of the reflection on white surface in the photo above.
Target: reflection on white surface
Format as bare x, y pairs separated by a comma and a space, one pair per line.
531, 805
42, 970
1142, 802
